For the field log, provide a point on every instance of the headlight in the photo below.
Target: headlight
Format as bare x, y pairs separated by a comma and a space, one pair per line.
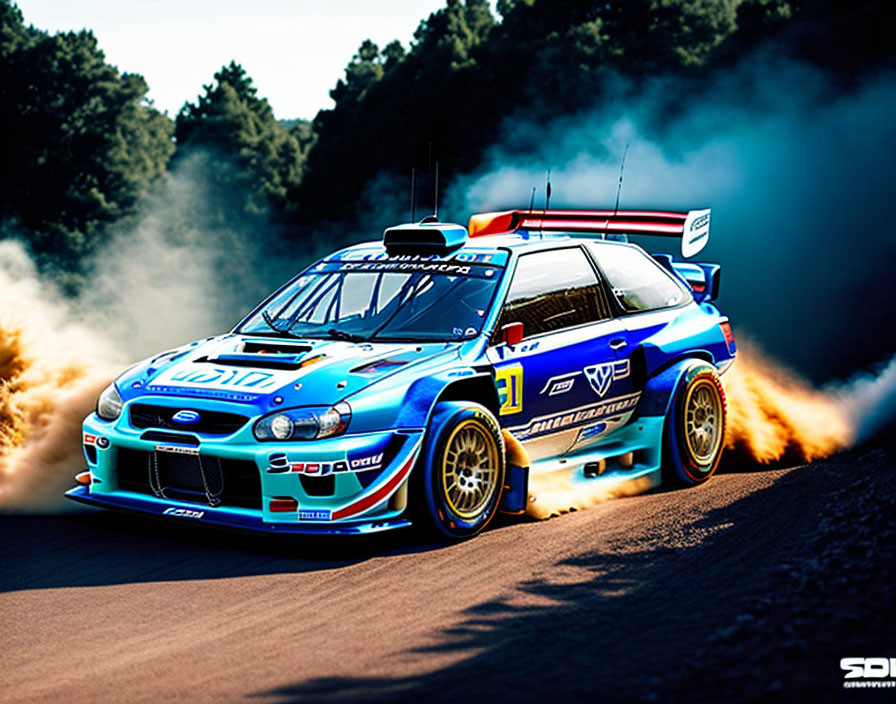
108, 406
304, 423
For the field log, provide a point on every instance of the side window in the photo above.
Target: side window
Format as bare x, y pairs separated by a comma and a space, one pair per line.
636, 280
553, 290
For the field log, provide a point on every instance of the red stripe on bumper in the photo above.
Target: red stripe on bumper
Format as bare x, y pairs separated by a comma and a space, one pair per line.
377, 496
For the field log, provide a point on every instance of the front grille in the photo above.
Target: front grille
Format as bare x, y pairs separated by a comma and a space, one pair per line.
144, 415
187, 478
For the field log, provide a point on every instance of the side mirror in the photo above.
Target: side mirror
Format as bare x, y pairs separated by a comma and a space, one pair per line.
512, 333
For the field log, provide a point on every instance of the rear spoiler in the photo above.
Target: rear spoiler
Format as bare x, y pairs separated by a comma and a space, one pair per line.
692, 227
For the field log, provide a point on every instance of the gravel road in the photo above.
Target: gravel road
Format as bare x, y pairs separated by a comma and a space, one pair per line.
642, 598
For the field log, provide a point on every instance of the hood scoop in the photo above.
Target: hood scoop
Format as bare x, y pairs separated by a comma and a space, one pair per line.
274, 348
259, 361
262, 356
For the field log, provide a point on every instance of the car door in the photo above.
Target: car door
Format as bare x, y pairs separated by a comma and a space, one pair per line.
568, 382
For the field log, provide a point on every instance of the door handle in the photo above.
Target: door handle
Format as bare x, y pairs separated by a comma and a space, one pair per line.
617, 343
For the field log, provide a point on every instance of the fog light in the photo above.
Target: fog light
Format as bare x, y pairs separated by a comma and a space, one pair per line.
83, 478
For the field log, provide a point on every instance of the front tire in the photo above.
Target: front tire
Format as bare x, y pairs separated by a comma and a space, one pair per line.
694, 433
461, 474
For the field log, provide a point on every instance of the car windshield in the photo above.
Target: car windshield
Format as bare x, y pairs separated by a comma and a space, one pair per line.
386, 301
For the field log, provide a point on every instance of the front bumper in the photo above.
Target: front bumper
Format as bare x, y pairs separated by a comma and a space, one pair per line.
239, 519
345, 485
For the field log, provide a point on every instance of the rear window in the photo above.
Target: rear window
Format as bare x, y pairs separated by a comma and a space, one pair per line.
636, 280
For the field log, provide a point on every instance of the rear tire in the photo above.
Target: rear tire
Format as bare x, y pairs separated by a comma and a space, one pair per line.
458, 483
694, 433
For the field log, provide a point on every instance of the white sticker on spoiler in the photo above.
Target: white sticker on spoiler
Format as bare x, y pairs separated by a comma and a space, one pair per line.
696, 232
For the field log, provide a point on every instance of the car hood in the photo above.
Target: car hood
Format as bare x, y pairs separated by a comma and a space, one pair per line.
285, 372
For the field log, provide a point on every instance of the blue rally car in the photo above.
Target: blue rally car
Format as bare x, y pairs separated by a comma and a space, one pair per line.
421, 379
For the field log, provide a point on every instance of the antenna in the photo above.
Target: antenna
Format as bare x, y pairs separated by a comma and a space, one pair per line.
532, 200
413, 194
547, 194
435, 207
619, 187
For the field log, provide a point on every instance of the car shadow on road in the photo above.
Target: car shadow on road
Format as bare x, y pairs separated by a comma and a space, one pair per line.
620, 632
97, 548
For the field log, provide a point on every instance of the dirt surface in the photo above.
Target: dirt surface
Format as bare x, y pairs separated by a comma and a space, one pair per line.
750, 587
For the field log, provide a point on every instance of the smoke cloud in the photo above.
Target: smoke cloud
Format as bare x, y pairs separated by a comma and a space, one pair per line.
185, 269
798, 174
52, 367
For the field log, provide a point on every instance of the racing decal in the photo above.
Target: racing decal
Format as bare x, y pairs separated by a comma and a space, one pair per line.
382, 491
279, 464
559, 384
695, 233
183, 512
367, 463
204, 393
362, 255
602, 376
225, 377
178, 449
561, 387
544, 425
318, 468
190, 376
509, 381
314, 514
89, 439
410, 267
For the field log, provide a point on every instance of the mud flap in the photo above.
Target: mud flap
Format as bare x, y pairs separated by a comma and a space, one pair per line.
516, 490
515, 497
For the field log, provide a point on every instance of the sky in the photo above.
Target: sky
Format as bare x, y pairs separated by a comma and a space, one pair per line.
294, 50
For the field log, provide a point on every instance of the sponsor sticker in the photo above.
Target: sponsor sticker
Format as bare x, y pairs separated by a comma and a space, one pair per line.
602, 376
314, 514
178, 449
203, 377
183, 512
509, 381
358, 464
574, 418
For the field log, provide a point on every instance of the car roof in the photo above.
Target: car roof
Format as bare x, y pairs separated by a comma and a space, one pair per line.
516, 243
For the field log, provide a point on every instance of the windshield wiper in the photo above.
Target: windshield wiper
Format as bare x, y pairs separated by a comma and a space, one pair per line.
269, 321
337, 334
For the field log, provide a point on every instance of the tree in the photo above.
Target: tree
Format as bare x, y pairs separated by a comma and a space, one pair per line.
80, 141
397, 109
255, 154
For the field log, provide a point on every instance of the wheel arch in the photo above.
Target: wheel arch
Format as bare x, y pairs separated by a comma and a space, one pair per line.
648, 362
660, 387
422, 397
479, 388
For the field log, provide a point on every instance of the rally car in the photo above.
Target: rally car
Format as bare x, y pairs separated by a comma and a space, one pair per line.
422, 378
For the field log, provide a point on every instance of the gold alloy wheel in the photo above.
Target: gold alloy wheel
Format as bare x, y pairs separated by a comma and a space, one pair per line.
470, 469
703, 421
